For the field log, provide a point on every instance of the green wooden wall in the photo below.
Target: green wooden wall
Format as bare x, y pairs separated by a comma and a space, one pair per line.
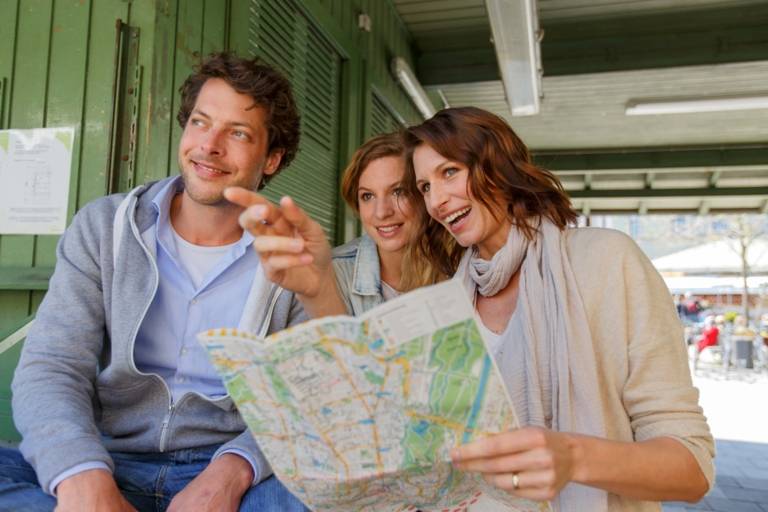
64, 63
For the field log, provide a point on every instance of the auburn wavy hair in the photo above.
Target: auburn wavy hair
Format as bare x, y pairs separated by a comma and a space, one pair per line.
502, 176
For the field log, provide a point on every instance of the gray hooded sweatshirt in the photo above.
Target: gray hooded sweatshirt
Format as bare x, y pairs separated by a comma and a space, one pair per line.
77, 394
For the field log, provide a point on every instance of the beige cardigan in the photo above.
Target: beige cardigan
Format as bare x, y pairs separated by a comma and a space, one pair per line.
642, 361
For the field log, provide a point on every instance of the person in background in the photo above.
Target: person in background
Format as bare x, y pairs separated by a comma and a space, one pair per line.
118, 406
709, 335
581, 326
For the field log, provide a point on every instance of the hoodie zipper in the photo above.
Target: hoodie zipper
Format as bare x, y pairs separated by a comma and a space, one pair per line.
164, 427
156, 273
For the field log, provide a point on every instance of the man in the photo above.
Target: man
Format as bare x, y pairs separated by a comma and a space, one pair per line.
117, 404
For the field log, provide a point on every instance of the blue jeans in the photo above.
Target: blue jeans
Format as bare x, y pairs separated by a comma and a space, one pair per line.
148, 481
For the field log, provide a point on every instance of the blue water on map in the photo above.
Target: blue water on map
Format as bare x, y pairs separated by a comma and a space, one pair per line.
421, 427
478, 399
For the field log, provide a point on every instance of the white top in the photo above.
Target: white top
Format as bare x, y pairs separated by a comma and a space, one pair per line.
198, 260
387, 292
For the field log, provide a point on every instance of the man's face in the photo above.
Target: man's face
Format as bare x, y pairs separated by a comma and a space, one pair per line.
224, 144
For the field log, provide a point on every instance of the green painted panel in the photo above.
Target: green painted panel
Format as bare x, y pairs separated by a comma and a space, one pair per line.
8, 360
98, 99
382, 119
8, 22
215, 30
65, 95
157, 51
289, 40
28, 86
239, 26
388, 39
25, 278
189, 42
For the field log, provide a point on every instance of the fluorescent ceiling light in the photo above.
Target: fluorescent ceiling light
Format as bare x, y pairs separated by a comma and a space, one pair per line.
413, 88
515, 28
694, 105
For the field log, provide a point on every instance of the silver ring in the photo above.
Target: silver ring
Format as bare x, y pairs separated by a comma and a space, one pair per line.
515, 481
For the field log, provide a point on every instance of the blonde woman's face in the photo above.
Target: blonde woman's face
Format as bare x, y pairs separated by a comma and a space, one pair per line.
385, 211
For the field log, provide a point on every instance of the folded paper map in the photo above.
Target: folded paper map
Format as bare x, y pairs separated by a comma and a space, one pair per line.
360, 414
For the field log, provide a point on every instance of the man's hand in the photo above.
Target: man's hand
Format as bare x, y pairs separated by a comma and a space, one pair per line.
293, 250
94, 490
220, 487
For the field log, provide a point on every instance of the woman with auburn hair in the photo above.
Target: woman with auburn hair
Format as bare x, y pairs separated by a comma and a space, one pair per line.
366, 271
579, 322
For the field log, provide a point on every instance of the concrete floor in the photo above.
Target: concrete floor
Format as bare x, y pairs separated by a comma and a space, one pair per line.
736, 405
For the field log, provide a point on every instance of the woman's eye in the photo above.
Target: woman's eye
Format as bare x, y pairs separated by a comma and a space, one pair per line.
424, 188
399, 191
366, 196
450, 171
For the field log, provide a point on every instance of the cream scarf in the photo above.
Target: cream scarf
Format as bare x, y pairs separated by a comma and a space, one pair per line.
554, 338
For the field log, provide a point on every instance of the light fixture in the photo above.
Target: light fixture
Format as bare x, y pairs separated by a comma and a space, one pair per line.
695, 105
413, 88
515, 29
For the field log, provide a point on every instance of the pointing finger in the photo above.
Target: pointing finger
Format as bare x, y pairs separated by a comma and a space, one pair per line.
243, 197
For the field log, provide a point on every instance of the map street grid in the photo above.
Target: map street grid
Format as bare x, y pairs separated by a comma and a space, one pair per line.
361, 413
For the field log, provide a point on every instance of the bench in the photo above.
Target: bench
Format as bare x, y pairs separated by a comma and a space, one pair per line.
10, 350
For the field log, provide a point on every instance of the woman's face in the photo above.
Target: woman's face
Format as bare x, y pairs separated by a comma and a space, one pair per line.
385, 211
444, 184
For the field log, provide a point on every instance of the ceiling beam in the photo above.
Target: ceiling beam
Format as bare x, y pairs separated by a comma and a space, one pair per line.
652, 193
704, 208
597, 45
652, 158
714, 178
668, 39
457, 66
660, 170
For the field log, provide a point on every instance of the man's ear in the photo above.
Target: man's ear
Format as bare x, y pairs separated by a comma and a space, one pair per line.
273, 161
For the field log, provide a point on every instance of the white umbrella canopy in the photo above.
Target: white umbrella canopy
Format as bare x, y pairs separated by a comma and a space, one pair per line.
715, 258
704, 285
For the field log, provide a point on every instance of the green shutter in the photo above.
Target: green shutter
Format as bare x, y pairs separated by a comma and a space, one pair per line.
282, 36
382, 118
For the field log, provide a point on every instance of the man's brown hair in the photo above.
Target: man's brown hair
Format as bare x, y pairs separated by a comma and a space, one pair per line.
268, 88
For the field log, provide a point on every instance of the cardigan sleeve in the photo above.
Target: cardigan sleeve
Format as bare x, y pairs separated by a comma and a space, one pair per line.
658, 393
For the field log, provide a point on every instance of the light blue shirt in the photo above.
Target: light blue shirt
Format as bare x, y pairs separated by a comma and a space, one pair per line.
166, 344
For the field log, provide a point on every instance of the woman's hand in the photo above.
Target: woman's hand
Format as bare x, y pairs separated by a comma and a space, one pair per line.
293, 249
536, 463
531, 462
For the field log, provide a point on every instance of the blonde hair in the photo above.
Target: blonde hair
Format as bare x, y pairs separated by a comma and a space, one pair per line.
416, 271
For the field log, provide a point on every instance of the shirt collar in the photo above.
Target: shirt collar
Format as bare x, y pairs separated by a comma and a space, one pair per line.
162, 204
